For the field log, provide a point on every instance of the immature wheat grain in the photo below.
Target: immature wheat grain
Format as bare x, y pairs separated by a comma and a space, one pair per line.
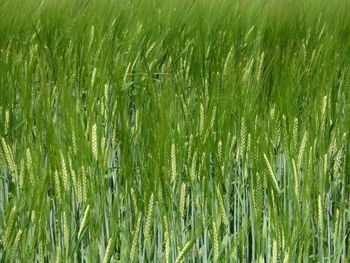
30, 166
93, 77
7, 121
336, 226
182, 199
147, 231
149, 50
106, 95
221, 206
57, 187
66, 229
301, 150
248, 69
295, 133
243, 135
2, 157
247, 35
103, 146
219, 152
133, 200
173, 163
126, 74
272, 174
166, 242
261, 66
276, 139
256, 195
64, 173
231, 154
8, 157
338, 161
81, 186
215, 242
84, 184
135, 239
206, 93
187, 246
74, 140
190, 145
201, 119
274, 251
84, 221
323, 113
284, 132
296, 180
92, 36
333, 145
249, 151
58, 255
320, 215
94, 141
325, 165
75, 182
41, 252
15, 245
9, 228
203, 160
193, 167
21, 173
212, 120
109, 250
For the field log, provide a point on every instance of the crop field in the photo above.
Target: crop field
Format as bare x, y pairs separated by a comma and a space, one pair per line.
174, 131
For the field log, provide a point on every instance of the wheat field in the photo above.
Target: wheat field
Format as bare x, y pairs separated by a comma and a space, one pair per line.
174, 131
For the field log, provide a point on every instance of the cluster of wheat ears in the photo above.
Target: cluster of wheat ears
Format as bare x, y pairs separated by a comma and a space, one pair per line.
174, 131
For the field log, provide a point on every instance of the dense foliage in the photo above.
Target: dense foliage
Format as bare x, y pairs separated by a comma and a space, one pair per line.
174, 131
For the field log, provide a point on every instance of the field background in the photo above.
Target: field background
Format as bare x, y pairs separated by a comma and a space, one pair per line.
174, 131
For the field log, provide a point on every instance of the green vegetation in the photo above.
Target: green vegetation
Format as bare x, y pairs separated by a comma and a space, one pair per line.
174, 131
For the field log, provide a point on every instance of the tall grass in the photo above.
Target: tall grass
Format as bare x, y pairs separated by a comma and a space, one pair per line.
174, 131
